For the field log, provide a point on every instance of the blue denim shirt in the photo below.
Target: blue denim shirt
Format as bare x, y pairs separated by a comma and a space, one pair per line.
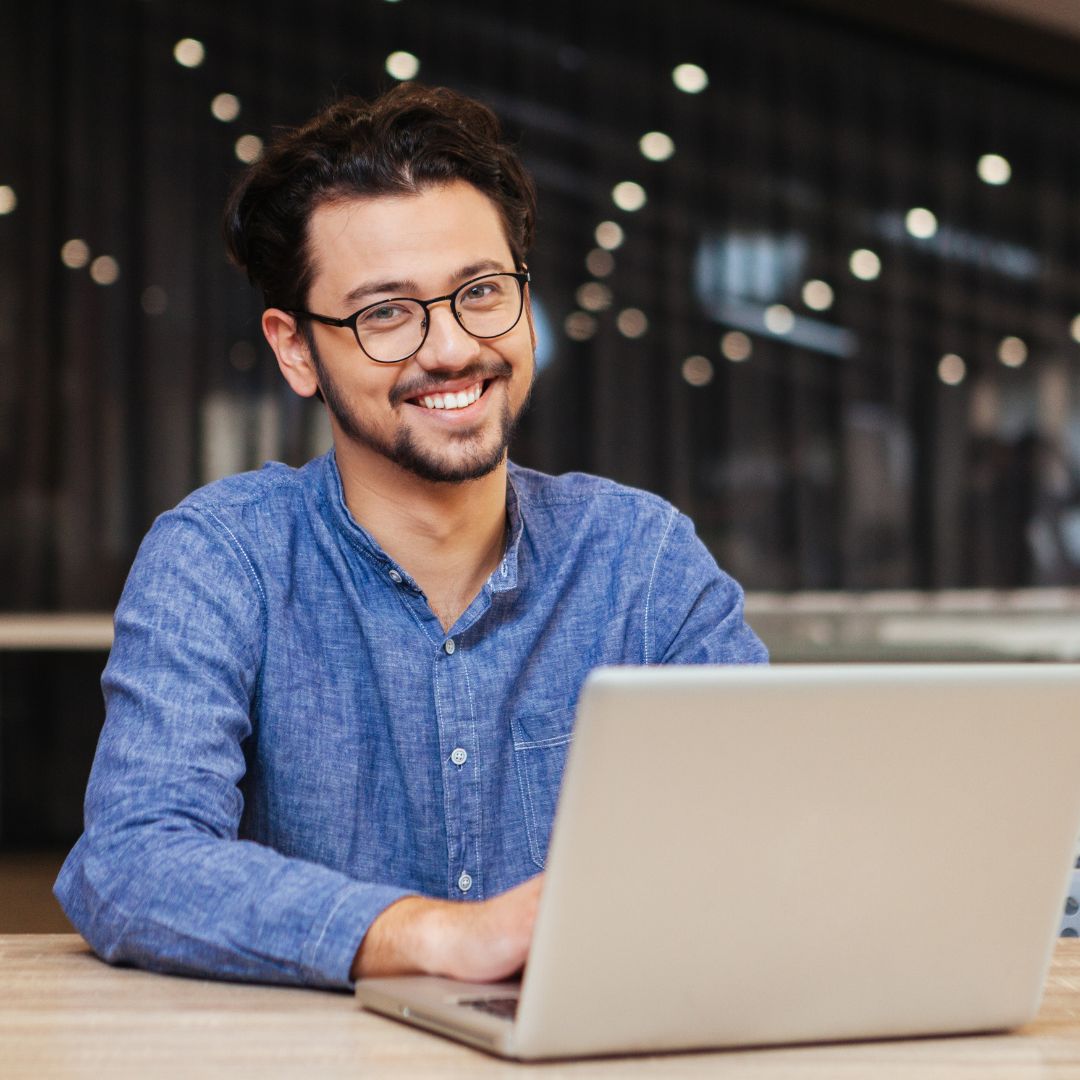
293, 742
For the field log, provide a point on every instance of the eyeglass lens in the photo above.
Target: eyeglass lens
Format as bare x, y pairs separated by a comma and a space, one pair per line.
487, 307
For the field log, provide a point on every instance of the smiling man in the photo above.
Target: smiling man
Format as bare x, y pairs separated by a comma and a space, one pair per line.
340, 697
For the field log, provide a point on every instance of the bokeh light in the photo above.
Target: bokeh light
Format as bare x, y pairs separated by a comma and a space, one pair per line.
632, 322
656, 146
402, 65
951, 369
600, 263
225, 107
921, 223
690, 78
817, 295
779, 319
994, 169
865, 264
579, 326
609, 235
736, 346
697, 370
75, 253
105, 270
593, 296
189, 52
1012, 352
628, 195
248, 148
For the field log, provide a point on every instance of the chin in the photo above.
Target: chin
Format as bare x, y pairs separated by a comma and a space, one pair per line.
443, 470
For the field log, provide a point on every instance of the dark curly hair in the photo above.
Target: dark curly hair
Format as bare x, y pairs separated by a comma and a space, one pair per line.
409, 138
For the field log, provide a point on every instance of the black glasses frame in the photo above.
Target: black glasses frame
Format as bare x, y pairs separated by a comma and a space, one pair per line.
523, 277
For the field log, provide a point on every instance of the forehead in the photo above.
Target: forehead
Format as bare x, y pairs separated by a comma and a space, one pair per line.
422, 238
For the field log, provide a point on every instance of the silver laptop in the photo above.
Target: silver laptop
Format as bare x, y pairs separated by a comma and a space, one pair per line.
751, 856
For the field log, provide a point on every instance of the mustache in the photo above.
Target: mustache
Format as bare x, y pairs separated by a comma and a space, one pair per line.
431, 382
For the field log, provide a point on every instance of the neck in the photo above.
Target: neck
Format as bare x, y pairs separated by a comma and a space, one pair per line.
447, 537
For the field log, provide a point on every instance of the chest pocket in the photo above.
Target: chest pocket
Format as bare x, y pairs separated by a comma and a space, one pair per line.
540, 747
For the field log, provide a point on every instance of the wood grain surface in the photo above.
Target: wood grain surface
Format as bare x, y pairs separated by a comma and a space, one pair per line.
64, 1013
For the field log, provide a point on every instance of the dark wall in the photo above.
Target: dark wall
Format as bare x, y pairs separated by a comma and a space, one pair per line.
50, 717
833, 457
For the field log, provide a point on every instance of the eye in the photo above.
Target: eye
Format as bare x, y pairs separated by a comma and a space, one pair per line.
387, 314
480, 291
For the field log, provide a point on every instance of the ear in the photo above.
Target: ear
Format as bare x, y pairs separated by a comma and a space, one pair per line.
291, 350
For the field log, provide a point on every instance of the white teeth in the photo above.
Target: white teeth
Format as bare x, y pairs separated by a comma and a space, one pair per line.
458, 400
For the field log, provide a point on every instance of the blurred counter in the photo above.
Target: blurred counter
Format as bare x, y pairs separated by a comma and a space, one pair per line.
948, 625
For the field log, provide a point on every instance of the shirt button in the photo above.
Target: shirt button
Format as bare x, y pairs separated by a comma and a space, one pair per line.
464, 883
449, 646
459, 756
395, 577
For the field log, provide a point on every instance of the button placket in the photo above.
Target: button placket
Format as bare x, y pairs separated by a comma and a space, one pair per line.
457, 721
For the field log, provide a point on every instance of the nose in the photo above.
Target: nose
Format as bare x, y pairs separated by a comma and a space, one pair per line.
447, 345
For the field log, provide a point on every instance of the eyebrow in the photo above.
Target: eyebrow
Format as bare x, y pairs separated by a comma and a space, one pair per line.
385, 289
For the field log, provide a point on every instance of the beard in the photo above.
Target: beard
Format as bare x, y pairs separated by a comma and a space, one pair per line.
471, 461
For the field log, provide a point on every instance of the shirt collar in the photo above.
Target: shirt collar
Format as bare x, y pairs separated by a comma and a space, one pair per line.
503, 578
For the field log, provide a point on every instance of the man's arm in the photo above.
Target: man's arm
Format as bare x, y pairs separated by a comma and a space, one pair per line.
480, 942
694, 613
159, 878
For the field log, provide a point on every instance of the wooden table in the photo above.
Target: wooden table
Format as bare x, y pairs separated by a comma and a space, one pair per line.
63, 1013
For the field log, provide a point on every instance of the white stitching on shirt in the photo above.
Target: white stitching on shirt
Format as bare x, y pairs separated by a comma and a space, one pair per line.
240, 547
310, 963
532, 828
435, 639
652, 581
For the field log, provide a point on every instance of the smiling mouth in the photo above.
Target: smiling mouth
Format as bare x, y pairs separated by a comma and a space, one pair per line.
450, 400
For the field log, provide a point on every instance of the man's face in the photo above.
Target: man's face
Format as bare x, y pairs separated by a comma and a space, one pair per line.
422, 245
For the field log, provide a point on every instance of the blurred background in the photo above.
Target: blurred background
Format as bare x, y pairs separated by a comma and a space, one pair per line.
809, 269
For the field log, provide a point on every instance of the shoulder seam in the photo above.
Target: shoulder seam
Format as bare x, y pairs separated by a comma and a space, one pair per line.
652, 582
246, 558
598, 488
199, 501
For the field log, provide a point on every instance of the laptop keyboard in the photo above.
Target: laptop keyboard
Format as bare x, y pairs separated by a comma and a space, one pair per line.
504, 1007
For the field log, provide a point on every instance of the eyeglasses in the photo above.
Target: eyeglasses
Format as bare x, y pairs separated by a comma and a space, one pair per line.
392, 330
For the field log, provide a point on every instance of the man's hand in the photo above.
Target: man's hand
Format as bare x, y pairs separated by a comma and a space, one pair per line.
481, 942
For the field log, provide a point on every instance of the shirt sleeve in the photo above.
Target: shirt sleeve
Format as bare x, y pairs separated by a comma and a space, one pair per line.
694, 611
159, 877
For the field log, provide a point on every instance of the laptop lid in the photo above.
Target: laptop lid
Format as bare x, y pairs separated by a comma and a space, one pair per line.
752, 855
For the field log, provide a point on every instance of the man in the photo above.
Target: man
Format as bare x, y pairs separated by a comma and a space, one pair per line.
340, 697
